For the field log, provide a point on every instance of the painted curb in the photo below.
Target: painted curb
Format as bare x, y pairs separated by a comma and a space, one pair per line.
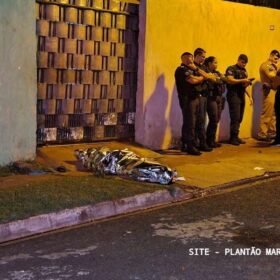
219, 188
84, 214
80, 215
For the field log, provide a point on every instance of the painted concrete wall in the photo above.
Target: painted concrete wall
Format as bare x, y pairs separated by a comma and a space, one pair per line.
17, 80
223, 29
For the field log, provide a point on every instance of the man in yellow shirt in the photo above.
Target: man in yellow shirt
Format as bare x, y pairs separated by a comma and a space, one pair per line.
268, 72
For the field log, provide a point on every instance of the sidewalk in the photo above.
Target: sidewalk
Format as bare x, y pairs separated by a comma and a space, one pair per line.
222, 165
205, 174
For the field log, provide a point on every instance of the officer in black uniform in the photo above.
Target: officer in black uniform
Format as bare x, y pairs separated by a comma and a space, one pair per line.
237, 82
202, 91
187, 76
215, 101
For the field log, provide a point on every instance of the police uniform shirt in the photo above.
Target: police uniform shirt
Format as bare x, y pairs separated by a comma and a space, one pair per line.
267, 69
201, 88
215, 88
238, 73
182, 73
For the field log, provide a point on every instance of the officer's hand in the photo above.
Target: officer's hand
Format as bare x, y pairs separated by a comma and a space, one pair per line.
192, 66
247, 83
224, 78
211, 77
251, 101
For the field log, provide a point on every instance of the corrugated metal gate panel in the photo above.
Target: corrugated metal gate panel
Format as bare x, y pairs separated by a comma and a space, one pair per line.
87, 73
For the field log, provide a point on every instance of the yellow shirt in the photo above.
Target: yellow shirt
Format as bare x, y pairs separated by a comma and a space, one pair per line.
268, 71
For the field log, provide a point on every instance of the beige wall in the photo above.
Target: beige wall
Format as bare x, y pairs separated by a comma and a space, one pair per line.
17, 80
170, 27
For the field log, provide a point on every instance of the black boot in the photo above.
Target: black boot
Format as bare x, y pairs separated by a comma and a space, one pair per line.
217, 145
191, 150
234, 141
212, 143
184, 147
240, 141
204, 147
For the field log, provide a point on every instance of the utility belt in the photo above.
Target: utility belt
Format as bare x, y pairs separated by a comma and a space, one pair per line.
204, 93
214, 94
240, 94
195, 95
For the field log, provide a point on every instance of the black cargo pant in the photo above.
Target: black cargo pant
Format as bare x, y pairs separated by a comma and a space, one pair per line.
192, 122
277, 114
214, 110
236, 104
183, 101
201, 120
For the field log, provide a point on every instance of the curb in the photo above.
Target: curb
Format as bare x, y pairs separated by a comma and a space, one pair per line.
219, 188
84, 214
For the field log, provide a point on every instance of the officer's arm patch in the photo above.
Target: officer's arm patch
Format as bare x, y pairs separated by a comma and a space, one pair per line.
188, 74
230, 72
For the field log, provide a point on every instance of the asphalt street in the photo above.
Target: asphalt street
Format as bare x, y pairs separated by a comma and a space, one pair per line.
234, 235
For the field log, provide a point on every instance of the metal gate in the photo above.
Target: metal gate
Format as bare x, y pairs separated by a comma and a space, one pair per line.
87, 70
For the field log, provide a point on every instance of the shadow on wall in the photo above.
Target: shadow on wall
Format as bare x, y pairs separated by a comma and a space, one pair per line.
175, 120
155, 122
257, 107
224, 126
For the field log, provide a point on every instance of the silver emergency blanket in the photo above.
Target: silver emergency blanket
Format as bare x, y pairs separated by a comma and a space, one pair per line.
125, 162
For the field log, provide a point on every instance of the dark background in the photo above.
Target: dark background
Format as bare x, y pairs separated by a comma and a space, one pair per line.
266, 3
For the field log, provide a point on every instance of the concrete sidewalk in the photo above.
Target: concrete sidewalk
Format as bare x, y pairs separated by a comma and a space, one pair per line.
207, 174
222, 165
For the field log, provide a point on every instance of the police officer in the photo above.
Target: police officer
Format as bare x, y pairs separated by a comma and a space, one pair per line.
237, 82
276, 85
215, 101
187, 76
268, 71
202, 91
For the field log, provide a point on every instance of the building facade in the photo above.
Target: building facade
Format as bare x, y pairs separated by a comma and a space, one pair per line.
90, 70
